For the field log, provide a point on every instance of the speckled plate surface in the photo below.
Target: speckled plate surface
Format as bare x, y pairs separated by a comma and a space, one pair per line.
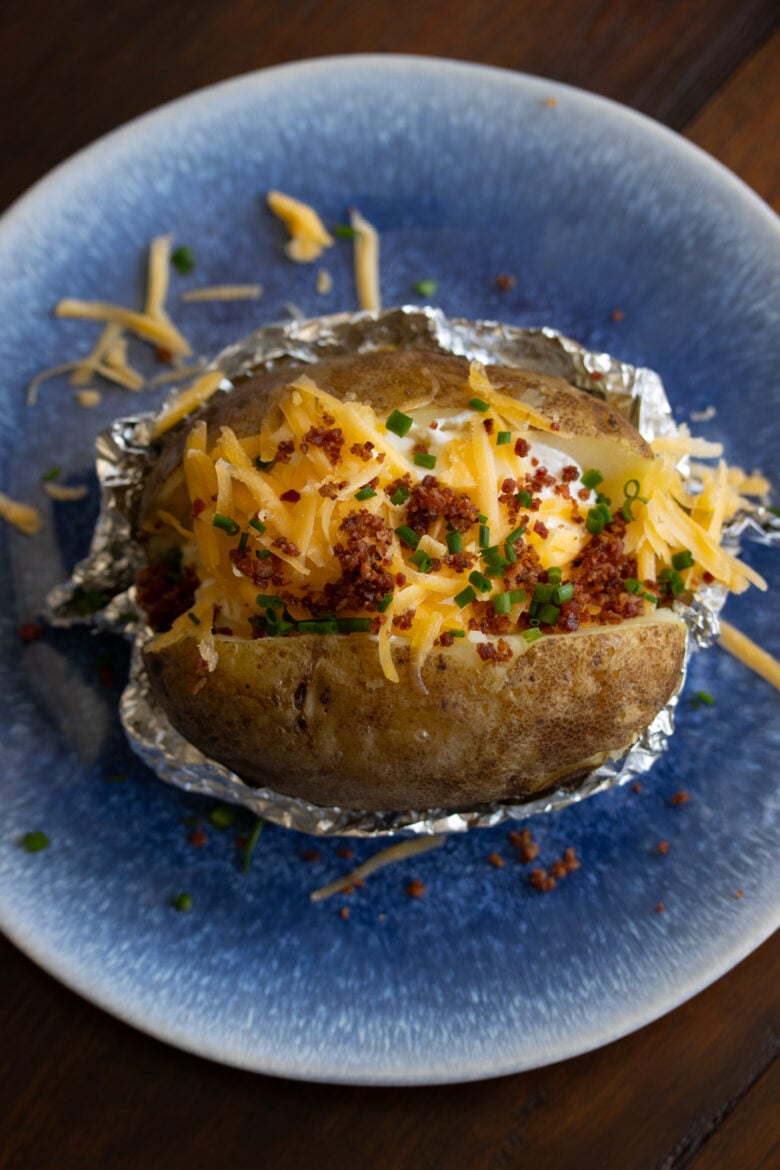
468, 173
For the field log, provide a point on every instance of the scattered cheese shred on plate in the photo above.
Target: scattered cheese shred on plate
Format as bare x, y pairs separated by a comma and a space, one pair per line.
224, 292
59, 491
366, 261
22, 516
88, 398
309, 235
161, 333
385, 857
756, 659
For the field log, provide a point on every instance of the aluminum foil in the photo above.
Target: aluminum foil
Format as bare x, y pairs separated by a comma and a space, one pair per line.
100, 591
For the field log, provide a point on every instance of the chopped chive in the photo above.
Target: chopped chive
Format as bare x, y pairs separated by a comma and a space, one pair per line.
503, 437
515, 535
494, 560
51, 474
222, 816
226, 523
257, 525
116, 778
502, 603
516, 596
344, 231
628, 515
263, 464
182, 902
543, 593
269, 601
465, 597
365, 493
524, 499
385, 603
603, 501
673, 581
422, 561
563, 592
703, 698
774, 511
354, 625
242, 541
400, 424
426, 288
479, 581
591, 479
594, 521
457, 633
549, 614
194, 618
423, 459
509, 551
127, 617
262, 553
455, 541
554, 575
322, 626
257, 829
482, 519
407, 536
683, 560
484, 536
631, 585
400, 495
531, 635
479, 404
35, 842
183, 259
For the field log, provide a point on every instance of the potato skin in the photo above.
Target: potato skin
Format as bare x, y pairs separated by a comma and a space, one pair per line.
314, 717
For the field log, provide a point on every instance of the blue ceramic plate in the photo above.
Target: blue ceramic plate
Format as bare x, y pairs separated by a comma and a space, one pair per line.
468, 172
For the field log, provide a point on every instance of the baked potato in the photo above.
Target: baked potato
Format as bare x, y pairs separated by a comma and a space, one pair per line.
398, 580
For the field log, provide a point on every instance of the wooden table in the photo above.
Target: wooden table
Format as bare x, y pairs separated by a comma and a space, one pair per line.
699, 1088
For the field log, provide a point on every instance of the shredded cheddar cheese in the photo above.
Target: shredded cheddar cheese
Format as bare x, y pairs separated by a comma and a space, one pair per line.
23, 517
334, 520
366, 262
308, 233
224, 292
753, 656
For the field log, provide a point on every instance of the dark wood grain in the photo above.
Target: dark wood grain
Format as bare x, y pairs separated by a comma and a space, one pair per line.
697, 1090
73, 71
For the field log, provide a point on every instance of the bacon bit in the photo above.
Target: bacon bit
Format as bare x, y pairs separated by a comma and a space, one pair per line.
363, 451
403, 621
506, 282
344, 912
663, 847
328, 418
429, 501
164, 355
311, 855
617, 314
597, 376
331, 490
493, 652
198, 838
558, 868
555, 426
541, 529
571, 860
497, 860
241, 841
345, 851
583, 493
550, 102
286, 546
348, 890
29, 632
660, 908
522, 447
197, 507
164, 594
707, 578
541, 881
284, 451
259, 572
740, 893
400, 579
459, 561
330, 441
446, 639
416, 888
681, 797
569, 473
489, 424
291, 496
637, 786
434, 426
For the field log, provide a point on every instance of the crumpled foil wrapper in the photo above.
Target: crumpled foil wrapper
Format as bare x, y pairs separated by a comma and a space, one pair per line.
100, 591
